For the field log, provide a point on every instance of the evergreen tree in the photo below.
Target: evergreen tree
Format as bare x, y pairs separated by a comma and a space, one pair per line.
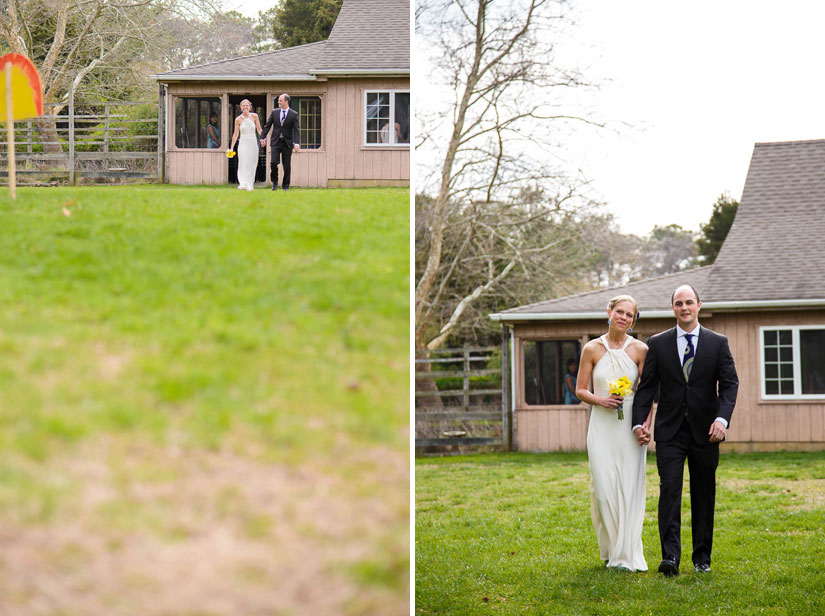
296, 22
714, 232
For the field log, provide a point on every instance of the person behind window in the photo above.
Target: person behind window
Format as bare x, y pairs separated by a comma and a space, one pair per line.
213, 133
570, 382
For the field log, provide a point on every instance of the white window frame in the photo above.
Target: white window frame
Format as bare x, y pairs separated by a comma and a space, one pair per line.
392, 143
797, 362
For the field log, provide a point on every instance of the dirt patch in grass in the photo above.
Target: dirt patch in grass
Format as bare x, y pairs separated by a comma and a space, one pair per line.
808, 494
153, 531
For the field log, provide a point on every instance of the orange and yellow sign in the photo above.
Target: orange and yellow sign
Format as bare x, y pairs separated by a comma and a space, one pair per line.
21, 97
26, 93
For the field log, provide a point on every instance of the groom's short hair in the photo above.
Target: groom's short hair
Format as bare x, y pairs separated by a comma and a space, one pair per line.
673, 295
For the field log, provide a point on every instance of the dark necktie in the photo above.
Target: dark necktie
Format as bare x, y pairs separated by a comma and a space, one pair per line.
687, 360
283, 116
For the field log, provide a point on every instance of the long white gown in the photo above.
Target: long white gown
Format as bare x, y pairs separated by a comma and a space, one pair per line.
247, 155
617, 468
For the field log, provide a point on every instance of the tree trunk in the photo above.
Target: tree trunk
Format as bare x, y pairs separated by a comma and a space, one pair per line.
424, 383
47, 128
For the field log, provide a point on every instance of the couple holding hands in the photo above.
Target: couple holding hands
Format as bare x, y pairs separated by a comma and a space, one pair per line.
693, 369
285, 138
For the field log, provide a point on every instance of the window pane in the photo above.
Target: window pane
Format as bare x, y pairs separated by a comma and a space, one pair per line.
786, 371
378, 117
812, 359
530, 382
770, 338
180, 132
771, 388
770, 354
785, 354
771, 371
544, 369
309, 115
192, 118
785, 337
402, 117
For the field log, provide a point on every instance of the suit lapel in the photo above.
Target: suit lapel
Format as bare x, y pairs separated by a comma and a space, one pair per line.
673, 360
704, 351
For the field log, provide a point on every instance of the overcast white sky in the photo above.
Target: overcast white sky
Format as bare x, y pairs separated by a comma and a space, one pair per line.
250, 8
702, 82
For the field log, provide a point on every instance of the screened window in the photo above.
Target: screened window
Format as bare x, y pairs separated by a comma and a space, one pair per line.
193, 116
387, 118
309, 115
545, 364
793, 362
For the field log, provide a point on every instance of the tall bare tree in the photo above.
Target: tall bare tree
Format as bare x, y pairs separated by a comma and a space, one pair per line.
488, 161
73, 42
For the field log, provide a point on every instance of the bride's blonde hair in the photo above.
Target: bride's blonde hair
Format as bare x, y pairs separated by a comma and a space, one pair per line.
624, 298
246, 100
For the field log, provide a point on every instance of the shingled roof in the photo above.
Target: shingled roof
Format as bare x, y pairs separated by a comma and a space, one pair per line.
772, 256
369, 37
293, 62
375, 29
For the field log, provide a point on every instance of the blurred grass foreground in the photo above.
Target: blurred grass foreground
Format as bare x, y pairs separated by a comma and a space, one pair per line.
204, 399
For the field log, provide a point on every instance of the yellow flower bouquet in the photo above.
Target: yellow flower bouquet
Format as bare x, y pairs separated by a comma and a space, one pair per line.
230, 153
620, 387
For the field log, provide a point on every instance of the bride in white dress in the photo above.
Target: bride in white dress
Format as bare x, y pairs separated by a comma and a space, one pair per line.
246, 125
617, 462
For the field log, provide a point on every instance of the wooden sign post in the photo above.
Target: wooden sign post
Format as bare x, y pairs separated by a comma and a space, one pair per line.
22, 98
10, 132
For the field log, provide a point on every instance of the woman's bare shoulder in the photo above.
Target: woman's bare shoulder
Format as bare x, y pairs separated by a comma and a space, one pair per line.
638, 344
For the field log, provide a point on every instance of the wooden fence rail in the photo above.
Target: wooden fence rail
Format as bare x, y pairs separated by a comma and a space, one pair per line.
105, 140
441, 424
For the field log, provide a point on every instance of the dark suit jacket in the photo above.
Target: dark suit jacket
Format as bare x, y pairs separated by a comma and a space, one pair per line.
291, 128
710, 392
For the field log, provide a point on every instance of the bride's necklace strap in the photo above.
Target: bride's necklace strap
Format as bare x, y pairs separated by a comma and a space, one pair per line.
616, 348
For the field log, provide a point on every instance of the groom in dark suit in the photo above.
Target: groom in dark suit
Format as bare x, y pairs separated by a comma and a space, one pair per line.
694, 369
286, 137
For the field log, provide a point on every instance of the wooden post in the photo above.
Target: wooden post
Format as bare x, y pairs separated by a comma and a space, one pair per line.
161, 135
506, 411
10, 133
466, 386
71, 135
106, 127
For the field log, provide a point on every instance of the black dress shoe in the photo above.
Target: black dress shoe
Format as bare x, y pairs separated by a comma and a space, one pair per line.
669, 567
286, 187
703, 568
274, 187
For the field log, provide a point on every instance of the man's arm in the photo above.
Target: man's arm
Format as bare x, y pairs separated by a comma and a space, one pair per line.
267, 126
646, 390
296, 133
728, 382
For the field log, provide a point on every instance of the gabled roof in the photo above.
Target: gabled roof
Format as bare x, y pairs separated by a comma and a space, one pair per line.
772, 257
369, 34
369, 37
293, 63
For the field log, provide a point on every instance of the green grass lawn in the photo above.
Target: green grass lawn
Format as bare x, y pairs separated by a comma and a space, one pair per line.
154, 336
511, 534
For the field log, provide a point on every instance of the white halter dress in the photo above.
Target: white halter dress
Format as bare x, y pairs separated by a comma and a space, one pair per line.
617, 468
247, 155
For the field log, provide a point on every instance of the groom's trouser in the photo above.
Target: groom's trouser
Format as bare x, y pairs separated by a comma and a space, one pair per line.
702, 462
283, 153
